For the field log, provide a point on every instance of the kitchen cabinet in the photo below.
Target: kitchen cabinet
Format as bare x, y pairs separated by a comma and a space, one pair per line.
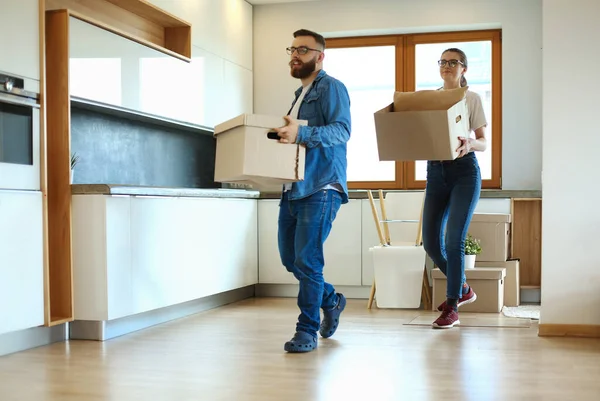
21, 261
20, 39
342, 249
134, 254
214, 86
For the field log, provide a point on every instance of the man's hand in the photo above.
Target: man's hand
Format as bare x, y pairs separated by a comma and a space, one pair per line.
288, 133
464, 147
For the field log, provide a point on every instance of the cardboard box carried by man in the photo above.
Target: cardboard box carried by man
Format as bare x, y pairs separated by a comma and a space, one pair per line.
249, 152
422, 125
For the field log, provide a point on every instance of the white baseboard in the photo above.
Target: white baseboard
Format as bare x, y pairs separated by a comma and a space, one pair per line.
291, 291
31, 338
107, 329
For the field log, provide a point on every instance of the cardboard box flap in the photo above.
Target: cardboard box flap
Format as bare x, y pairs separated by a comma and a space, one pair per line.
253, 120
484, 273
491, 218
428, 99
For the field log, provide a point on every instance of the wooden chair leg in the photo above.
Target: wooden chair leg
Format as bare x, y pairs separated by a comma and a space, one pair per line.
426, 291
382, 242
372, 295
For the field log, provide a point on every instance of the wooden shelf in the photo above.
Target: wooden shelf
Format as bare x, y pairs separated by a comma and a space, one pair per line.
57, 320
149, 11
137, 20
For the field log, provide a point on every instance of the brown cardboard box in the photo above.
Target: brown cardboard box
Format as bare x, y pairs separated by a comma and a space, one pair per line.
512, 286
493, 232
245, 154
422, 125
488, 284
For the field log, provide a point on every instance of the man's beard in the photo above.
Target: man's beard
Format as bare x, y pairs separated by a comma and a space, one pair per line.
305, 70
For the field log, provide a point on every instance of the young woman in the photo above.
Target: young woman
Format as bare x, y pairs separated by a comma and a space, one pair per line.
451, 195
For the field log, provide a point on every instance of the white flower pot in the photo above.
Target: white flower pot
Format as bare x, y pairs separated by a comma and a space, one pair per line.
470, 261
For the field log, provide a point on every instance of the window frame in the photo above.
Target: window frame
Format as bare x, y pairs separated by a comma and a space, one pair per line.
405, 81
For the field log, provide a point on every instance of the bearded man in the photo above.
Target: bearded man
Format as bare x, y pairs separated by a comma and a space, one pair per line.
309, 207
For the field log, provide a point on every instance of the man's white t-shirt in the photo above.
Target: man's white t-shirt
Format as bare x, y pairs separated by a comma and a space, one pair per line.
294, 115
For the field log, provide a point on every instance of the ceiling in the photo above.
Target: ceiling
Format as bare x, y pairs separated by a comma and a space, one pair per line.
258, 2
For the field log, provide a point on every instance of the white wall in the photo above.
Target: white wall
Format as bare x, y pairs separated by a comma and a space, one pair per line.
520, 20
571, 217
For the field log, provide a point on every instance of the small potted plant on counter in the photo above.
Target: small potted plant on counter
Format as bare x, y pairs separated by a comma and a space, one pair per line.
472, 249
74, 160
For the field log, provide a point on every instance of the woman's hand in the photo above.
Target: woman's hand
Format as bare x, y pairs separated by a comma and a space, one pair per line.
464, 147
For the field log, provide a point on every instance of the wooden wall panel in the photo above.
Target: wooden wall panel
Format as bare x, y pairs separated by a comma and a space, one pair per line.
527, 240
60, 278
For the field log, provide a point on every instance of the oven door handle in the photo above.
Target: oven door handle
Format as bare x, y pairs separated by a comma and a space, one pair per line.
17, 100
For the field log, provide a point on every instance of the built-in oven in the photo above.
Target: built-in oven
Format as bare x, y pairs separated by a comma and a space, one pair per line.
19, 135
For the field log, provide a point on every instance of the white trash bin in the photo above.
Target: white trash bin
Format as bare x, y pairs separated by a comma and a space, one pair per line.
398, 272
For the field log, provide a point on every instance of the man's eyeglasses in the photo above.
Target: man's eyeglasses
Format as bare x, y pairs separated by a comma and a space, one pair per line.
452, 63
301, 50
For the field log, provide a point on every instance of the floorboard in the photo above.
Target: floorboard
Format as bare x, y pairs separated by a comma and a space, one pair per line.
236, 353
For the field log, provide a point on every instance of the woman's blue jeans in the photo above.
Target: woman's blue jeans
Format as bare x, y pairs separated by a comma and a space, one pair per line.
452, 192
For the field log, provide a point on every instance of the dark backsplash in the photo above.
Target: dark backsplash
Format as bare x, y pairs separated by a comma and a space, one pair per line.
115, 149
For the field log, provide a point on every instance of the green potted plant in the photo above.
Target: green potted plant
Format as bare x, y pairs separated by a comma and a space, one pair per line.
472, 249
74, 160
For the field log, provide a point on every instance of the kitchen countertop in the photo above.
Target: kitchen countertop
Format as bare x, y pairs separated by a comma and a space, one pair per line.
486, 193
137, 190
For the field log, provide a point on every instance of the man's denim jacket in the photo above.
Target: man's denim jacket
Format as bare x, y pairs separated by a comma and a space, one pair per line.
326, 106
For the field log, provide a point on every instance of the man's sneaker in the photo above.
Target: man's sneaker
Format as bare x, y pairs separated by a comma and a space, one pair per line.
301, 342
467, 298
331, 317
447, 320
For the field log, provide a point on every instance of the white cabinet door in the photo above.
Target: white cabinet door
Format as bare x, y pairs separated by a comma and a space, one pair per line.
342, 248
188, 248
21, 261
343, 265
20, 38
101, 257
270, 269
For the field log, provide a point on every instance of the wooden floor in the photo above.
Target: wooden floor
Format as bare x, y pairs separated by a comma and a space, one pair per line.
236, 353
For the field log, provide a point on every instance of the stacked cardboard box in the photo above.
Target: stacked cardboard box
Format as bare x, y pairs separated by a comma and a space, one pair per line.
488, 284
494, 232
495, 277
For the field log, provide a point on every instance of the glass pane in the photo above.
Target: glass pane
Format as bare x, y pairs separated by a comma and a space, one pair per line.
16, 135
371, 87
479, 78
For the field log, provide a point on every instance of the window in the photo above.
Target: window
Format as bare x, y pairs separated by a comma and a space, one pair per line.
373, 67
369, 85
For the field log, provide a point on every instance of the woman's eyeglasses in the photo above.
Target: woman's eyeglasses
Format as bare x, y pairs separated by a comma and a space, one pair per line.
452, 63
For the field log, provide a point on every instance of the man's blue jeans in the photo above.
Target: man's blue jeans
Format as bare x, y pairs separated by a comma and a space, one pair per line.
304, 225
452, 192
